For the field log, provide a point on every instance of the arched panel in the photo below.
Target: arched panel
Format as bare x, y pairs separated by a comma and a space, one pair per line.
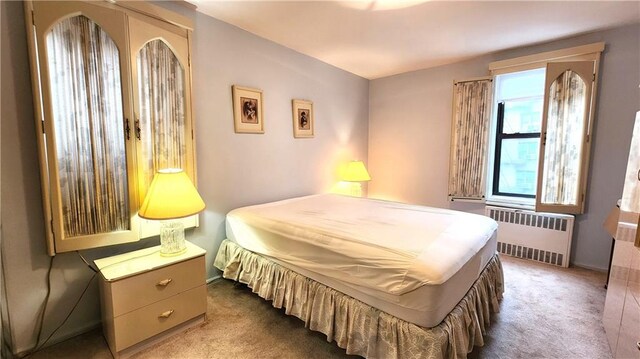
161, 94
86, 103
565, 137
82, 68
565, 131
162, 105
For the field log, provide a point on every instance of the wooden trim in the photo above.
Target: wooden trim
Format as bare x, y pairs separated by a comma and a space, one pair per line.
186, 4
467, 200
590, 81
112, 21
539, 60
637, 241
39, 121
194, 166
157, 12
472, 79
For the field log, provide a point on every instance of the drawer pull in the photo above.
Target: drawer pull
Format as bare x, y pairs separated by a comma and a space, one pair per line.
166, 314
164, 282
638, 345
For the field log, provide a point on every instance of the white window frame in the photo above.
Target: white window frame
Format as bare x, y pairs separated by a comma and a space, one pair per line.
590, 52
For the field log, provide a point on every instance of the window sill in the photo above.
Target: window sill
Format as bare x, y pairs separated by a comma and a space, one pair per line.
512, 202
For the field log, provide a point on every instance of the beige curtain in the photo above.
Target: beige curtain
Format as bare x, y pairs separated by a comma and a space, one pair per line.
161, 90
565, 131
86, 98
469, 138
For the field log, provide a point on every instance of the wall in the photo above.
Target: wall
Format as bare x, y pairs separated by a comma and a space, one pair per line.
233, 169
410, 128
240, 169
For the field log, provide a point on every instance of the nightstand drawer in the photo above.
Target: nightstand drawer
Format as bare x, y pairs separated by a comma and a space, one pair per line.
135, 292
146, 322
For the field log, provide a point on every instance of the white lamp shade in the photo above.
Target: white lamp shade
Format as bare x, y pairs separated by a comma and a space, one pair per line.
171, 195
356, 172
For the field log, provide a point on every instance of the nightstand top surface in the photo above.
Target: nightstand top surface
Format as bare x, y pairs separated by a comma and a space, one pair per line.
128, 264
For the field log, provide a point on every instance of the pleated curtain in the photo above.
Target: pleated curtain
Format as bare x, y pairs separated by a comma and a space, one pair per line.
161, 91
469, 139
565, 132
86, 98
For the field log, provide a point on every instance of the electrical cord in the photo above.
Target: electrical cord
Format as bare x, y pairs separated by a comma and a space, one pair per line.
87, 263
46, 302
7, 343
39, 347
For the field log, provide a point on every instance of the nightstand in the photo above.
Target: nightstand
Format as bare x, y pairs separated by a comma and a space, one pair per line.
146, 297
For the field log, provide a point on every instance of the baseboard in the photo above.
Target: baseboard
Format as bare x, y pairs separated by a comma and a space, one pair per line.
209, 280
584, 266
62, 337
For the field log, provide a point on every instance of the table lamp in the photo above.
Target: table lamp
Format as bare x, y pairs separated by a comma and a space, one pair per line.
171, 195
356, 173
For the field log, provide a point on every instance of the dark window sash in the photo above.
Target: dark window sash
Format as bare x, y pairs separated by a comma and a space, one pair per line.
498, 151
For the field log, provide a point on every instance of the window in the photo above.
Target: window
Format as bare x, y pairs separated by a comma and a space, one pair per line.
94, 157
519, 98
543, 114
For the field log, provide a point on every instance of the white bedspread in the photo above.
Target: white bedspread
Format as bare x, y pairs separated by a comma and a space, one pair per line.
386, 246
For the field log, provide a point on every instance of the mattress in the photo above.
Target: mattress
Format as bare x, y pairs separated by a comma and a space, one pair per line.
413, 262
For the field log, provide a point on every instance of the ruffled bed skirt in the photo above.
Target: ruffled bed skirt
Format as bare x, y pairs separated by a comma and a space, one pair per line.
358, 327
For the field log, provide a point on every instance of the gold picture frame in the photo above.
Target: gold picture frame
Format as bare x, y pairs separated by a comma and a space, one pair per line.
303, 118
248, 115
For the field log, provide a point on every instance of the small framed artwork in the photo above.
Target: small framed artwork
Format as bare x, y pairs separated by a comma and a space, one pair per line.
248, 116
302, 118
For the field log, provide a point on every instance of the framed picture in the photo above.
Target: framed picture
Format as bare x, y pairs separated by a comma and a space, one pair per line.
302, 118
248, 116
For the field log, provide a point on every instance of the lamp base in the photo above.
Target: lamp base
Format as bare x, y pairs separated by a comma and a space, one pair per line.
172, 238
356, 189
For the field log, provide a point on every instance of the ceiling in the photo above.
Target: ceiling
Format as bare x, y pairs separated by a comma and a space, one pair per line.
379, 38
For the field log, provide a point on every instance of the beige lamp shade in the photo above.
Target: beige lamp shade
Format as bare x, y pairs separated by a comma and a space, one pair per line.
356, 172
171, 195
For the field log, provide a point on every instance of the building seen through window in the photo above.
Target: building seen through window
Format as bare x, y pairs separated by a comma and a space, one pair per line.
519, 98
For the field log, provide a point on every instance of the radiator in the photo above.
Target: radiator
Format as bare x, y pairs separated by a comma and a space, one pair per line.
542, 237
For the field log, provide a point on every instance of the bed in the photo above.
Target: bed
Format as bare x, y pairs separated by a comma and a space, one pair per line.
382, 279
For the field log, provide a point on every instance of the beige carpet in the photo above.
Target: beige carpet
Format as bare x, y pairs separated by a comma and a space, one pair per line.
546, 312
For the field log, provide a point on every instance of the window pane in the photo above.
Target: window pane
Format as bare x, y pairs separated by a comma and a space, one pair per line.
161, 90
520, 84
523, 116
519, 166
565, 131
86, 96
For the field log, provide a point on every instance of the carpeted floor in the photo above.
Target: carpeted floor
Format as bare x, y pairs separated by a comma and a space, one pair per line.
547, 312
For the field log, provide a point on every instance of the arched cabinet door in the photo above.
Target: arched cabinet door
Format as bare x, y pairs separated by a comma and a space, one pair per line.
161, 80
82, 58
566, 137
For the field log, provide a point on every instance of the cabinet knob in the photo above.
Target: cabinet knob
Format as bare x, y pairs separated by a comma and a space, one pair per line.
166, 314
164, 282
638, 345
